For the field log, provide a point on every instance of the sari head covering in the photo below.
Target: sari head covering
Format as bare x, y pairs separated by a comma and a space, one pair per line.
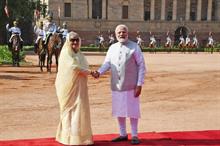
72, 92
69, 67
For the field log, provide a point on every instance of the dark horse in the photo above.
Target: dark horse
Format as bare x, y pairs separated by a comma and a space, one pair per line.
194, 47
53, 47
152, 46
41, 51
182, 47
15, 49
168, 47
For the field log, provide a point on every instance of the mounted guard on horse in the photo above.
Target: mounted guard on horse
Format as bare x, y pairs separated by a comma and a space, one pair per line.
39, 47
139, 41
41, 34
49, 27
188, 44
111, 39
210, 43
181, 44
15, 42
152, 43
53, 41
168, 43
15, 30
195, 42
64, 31
101, 42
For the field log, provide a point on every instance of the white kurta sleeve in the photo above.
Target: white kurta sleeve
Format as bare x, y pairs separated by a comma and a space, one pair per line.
106, 64
141, 65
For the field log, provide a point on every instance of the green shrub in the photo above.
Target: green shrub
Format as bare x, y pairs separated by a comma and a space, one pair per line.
92, 45
6, 56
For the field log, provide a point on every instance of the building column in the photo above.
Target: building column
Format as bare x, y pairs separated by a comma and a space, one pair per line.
103, 9
152, 10
188, 2
90, 9
60, 10
174, 10
163, 6
106, 10
199, 10
87, 5
209, 11
217, 10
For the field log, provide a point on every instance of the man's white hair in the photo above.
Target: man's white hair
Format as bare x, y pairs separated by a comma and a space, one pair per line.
121, 26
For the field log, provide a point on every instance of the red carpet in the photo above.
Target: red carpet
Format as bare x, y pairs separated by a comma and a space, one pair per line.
189, 138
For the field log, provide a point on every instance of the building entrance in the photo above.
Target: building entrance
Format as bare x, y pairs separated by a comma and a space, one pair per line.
180, 31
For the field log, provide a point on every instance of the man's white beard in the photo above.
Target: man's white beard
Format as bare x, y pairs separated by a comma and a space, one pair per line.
122, 40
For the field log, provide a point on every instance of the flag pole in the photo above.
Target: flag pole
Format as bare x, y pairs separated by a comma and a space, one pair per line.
59, 15
6, 8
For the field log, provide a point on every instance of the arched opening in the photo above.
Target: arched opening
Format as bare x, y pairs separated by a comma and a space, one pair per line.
180, 31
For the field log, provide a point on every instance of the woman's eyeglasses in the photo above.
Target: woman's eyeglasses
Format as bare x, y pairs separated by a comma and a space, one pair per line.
75, 40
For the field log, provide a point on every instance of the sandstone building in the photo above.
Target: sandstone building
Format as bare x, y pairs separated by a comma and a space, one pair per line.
90, 17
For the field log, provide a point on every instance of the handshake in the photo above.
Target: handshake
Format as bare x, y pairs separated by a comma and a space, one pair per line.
95, 74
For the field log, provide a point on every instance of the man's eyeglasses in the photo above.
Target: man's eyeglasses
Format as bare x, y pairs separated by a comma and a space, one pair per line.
75, 40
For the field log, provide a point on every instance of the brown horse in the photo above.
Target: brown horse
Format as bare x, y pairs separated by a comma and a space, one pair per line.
15, 49
182, 47
188, 47
194, 47
53, 47
152, 46
41, 51
168, 47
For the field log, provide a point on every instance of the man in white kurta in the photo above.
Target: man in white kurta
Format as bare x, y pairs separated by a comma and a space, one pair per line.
126, 62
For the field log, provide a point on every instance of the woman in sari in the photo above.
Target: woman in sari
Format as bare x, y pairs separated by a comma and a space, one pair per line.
71, 87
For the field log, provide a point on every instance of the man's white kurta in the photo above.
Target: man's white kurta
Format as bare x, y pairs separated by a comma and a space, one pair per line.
124, 104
